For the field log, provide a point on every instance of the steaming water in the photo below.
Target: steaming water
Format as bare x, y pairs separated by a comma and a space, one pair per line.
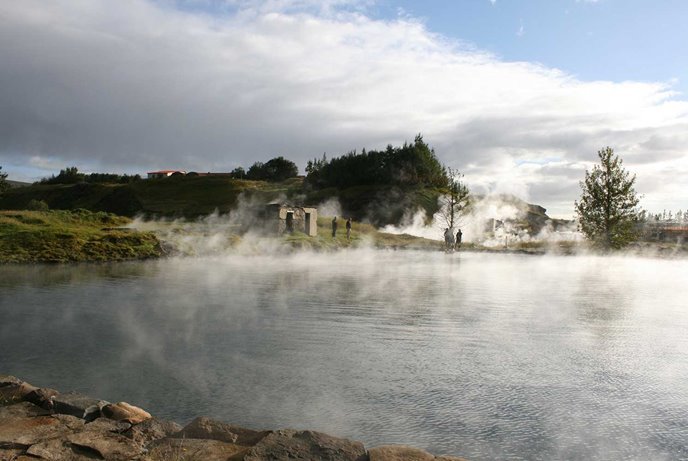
483, 356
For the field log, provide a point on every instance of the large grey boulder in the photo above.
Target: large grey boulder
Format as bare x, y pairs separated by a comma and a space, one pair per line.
305, 445
205, 428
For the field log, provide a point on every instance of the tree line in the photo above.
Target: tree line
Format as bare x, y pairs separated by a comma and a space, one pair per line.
680, 216
71, 175
277, 169
410, 165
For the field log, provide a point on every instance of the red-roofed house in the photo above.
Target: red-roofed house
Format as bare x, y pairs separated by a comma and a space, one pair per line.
163, 173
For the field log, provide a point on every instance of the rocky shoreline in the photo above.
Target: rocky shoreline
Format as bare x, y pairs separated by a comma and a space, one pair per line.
44, 424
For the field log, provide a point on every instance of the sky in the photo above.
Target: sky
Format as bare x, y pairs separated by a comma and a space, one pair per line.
518, 95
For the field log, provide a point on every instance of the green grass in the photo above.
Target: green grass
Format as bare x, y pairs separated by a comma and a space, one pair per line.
69, 236
362, 235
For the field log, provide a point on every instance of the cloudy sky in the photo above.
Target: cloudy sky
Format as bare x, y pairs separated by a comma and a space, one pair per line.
519, 95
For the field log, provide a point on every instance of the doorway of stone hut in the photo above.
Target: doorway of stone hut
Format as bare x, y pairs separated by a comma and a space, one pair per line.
290, 221
307, 226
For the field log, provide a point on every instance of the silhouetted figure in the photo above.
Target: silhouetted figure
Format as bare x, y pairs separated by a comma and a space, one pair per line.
448, 239
334, 227
459, 236
348, 229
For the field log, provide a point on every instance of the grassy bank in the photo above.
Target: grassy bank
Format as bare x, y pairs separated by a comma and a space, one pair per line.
70, 236
362, 235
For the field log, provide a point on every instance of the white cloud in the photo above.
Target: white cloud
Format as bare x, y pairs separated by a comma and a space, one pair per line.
141, 85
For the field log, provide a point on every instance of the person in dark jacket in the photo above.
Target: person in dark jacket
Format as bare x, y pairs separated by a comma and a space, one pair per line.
348, 229
459, 236
334, 227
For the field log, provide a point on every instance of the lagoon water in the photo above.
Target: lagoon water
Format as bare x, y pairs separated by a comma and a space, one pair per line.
483, 356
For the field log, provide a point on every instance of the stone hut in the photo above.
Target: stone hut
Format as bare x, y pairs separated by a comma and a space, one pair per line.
289, 218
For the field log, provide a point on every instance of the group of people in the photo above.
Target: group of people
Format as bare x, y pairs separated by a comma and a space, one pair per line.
450, 243
348, 228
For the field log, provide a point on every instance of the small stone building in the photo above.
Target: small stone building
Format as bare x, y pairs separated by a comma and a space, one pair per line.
289, 218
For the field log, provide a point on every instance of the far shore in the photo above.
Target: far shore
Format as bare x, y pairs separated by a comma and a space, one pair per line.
84, 236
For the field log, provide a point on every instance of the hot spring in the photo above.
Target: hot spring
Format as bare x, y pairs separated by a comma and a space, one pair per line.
482, 356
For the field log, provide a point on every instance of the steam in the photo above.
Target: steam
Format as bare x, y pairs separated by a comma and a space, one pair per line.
240, 231
494, 220
330, 207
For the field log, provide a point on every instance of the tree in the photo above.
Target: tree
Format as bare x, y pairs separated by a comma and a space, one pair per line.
256, 172
275, 170
238, 173
457, 199
69, 175
607, 212
4, 185
280, 169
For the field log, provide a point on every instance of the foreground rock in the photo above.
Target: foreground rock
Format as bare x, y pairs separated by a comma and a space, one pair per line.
42, 424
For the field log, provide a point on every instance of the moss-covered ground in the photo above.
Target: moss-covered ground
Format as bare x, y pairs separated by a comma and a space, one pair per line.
70, 236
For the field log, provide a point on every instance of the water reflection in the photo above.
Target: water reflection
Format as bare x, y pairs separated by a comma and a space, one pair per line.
490, 357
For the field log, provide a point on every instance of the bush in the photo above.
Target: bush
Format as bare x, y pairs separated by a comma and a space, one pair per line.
37, 205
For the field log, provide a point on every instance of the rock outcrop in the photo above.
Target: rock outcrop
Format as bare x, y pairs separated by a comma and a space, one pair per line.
42, 424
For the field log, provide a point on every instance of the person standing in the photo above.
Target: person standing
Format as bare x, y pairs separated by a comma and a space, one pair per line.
348, 229
459, 236
448, 240
334, 227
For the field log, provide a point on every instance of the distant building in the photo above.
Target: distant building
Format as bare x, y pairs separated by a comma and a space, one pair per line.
282, 219
665, 231
198, 173
164, 173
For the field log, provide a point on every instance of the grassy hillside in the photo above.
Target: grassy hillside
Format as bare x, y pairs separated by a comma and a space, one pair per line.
64, 236
191, 197
197, 196
175, 196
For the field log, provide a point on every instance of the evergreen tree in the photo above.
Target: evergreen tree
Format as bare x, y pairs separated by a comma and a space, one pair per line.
411, 165
607, 212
